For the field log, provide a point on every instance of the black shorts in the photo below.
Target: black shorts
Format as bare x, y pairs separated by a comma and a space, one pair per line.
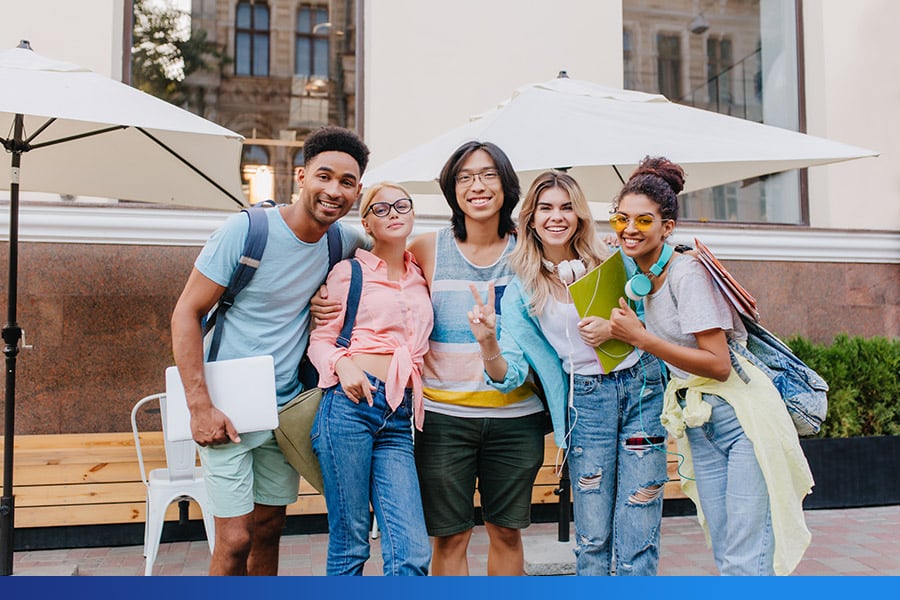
502, 455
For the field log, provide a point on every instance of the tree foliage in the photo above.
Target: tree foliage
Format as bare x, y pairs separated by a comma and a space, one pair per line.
165, 51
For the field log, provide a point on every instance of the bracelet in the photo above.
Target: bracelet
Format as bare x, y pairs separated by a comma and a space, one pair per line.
490, 358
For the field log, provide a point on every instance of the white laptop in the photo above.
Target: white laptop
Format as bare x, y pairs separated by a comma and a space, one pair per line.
242, 388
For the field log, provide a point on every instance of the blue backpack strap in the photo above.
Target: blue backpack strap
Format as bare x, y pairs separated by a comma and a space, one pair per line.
353, 295
334, 245
254, 246
305, 371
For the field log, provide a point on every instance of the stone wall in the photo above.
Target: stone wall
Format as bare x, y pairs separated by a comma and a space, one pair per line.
820, 300
98, 317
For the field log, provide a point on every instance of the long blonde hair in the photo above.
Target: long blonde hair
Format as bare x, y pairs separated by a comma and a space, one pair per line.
528, 256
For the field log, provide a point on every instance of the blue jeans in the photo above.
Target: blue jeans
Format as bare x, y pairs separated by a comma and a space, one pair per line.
617, 463
366, 455
733, 493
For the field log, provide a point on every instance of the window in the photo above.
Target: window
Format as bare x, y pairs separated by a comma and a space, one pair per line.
668, 70
251, 39
311, 56
719, 66
257, 174
254, 155
725, 205
297, 163
630, 79
743, 63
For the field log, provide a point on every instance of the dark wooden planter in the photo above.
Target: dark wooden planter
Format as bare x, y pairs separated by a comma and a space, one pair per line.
851, 472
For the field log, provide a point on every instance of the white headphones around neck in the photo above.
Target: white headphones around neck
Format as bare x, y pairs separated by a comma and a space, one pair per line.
640, 285
567, 270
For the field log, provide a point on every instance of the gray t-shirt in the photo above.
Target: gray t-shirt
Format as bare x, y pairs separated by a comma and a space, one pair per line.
701, 306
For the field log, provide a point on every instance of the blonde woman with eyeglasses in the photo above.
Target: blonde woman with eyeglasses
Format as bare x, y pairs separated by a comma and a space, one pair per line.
373, 396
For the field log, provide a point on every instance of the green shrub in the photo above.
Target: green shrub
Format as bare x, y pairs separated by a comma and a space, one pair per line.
863, 377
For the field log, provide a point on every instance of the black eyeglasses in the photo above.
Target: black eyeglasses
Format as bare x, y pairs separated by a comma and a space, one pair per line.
487, 177
383, 209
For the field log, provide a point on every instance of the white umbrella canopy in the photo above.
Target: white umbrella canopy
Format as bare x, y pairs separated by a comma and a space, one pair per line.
71, 131
200, 169
600, 133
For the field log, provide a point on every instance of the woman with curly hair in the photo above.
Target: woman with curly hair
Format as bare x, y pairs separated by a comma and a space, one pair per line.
737, 438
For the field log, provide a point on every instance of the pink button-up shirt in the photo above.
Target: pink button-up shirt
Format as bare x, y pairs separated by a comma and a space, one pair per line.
394, 317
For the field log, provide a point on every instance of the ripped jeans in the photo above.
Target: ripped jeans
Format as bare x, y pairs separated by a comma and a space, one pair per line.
617, 464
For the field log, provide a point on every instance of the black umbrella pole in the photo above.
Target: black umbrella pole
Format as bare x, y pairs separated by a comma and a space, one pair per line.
12, 333
564, 491
7, 502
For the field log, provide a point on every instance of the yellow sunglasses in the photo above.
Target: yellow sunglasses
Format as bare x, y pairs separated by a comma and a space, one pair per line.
642, 223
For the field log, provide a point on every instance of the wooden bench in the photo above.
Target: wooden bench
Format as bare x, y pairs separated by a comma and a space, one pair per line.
94, 479
547, 481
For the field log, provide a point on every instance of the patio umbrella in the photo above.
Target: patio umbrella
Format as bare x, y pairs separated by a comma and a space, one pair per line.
600, 134
85, 134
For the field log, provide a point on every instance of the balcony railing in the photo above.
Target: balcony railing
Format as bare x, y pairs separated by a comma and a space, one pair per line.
735, 91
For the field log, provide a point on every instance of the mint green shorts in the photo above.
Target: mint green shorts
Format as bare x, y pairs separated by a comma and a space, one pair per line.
251, 472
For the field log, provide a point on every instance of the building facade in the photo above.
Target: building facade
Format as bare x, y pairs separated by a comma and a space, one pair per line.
715, 56
292, 69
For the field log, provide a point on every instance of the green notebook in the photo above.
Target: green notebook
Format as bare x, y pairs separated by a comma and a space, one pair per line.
596, 294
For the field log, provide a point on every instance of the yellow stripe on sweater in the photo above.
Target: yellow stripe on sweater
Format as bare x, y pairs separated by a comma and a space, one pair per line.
487, 399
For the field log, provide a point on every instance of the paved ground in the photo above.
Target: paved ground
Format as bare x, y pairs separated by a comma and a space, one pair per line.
862, 541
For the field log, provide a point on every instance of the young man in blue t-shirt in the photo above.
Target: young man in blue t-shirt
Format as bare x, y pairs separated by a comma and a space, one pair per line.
249, 481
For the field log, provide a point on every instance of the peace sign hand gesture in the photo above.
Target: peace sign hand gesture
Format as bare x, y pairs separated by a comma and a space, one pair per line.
482, 318
483, 323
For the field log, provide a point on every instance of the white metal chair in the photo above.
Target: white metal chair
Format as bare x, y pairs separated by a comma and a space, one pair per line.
182, 479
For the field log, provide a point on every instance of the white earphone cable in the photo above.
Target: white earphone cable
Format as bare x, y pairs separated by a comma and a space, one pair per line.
570, 401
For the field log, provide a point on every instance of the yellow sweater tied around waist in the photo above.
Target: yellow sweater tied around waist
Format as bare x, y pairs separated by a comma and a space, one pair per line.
765, 420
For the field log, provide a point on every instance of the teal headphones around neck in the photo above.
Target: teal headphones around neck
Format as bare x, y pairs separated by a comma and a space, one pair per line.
640, 285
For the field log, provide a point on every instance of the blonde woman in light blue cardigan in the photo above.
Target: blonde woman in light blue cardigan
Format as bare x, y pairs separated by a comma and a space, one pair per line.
607, 423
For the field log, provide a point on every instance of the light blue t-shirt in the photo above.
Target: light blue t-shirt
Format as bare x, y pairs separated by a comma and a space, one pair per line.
271, 314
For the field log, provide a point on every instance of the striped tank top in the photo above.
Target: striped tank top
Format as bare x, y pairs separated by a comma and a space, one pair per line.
454, 372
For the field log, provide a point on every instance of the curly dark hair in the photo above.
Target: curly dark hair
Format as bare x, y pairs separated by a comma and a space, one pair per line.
332, 138
508, 178
659, 179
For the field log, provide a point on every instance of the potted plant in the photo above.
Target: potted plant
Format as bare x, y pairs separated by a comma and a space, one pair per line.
854, 457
